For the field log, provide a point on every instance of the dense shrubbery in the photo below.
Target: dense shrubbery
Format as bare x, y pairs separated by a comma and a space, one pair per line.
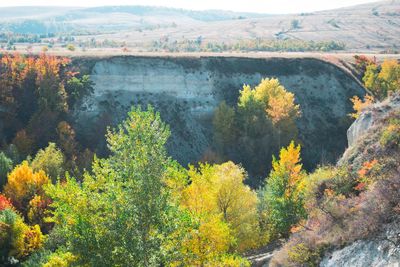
17, 239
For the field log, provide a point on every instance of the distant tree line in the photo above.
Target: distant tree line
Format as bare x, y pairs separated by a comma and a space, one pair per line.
199, 45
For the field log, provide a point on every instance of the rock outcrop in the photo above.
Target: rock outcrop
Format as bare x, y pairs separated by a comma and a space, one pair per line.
380, 251
367, 118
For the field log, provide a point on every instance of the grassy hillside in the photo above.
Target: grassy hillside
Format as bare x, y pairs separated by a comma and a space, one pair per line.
370, 27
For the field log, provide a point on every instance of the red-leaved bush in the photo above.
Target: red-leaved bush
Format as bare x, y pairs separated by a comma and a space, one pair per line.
5, 203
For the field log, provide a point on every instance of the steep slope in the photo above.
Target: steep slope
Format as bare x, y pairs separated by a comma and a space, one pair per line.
354, 208
382, 248
187, 90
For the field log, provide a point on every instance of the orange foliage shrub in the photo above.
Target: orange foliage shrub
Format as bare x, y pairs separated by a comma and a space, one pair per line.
5, 203
360, 105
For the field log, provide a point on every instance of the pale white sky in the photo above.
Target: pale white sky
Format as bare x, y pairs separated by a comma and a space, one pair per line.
260, 6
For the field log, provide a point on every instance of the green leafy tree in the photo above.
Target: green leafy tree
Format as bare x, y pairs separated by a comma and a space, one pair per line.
224, 127
122, 215
6, 165
78, 88
284, 191
50, 160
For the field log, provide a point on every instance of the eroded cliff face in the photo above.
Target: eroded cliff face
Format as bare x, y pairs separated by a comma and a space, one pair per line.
187, 90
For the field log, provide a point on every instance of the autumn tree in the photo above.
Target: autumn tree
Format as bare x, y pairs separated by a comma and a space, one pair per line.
360, 105
284, 191
390, 75
51, 92
17, 239
383, 79
218, 199
238, 205
281, 109
23, 184
24, 143
266, 117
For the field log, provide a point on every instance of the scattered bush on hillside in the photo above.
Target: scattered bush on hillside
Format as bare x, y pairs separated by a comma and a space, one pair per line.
295, 24
391, 134
71, 47
362, 62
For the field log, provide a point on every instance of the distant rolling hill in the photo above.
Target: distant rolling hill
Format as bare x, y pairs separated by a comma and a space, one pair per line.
370, 27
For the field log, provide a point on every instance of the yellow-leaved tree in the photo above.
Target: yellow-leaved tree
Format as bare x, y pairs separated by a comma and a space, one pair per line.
383, 79
237, 203
280, 106
23, 184
225, 211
